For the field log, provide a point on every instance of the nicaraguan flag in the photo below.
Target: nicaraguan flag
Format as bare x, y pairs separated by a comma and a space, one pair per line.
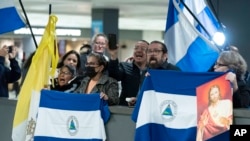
63, 116
166, 109
10, 19
190, 48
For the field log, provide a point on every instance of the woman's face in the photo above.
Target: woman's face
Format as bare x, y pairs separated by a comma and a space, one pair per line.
100, 44
64, 76
93, 62
71, 60
220, 66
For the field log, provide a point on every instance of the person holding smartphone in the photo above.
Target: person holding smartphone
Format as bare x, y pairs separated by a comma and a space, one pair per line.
8, 74
99, 44
131, 74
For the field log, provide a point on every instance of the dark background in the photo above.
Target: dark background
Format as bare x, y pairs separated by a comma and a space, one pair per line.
235, 16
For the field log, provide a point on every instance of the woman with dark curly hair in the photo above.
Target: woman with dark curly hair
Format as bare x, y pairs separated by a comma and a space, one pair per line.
72, 58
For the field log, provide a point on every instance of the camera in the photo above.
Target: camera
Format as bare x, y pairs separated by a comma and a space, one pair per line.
112, 41
10, 49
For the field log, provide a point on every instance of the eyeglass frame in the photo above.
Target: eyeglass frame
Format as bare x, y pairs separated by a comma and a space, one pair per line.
98, 43
149, 52
65, 73
92, 64
220, 65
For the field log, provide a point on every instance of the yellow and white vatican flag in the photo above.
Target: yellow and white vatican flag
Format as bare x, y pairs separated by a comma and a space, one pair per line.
45, 58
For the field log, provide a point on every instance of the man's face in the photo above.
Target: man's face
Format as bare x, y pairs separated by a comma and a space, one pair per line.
139, 54
155, 55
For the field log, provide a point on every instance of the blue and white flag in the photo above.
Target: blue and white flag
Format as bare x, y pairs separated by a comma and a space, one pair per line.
10, 19
166, 109
63, 116
190, 48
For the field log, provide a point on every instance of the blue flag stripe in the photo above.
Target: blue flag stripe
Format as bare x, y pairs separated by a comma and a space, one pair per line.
50, 99
41, 138
190, 49
11, 23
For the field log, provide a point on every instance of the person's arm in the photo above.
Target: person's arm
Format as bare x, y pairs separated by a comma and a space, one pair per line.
112, 92
114, 67
232, 78
15, 72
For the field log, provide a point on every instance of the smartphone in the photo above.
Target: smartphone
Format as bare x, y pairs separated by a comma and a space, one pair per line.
112, 41
10, 49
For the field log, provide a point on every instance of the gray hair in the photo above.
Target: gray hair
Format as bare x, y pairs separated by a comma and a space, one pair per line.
98, 35
235, 62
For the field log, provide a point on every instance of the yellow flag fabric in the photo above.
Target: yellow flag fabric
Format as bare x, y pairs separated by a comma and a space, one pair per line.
42, 68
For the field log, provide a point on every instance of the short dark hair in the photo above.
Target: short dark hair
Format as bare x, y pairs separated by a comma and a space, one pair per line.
101, 59
164, 47
71, 69
85, 46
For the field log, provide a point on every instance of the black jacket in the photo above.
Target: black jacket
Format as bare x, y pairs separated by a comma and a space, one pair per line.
8, 75
70, 87
130, 76
241, 98
169, 66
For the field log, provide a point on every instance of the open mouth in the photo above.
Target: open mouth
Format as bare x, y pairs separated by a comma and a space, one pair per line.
61, 81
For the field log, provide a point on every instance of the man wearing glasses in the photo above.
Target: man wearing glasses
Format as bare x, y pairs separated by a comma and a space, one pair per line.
157, 55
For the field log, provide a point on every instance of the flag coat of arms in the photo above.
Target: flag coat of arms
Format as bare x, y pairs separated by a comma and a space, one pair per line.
166, 108
63, 116
43, 67
11, 22
190, 48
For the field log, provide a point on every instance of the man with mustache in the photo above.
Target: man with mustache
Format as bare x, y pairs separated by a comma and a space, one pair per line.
157, 55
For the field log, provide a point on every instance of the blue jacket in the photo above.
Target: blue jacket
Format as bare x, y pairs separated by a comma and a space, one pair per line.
8, 75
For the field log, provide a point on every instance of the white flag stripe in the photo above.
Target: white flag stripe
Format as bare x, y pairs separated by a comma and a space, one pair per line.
54, 123
152, 100
181, 30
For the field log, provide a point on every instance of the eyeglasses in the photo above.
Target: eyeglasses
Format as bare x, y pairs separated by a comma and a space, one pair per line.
220, 65
65, 73
154, 51
91, 64
140, 48
99, 43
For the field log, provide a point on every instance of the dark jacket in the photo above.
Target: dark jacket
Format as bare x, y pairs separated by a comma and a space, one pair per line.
106, 84
131, 78
241, 98
8, 75
169, 66
70, 87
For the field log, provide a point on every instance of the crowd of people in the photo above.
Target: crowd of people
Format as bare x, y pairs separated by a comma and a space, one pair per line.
97, 69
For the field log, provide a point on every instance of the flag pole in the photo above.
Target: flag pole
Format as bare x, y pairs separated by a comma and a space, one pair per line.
197, 20
27, 20
217, 17
50, 9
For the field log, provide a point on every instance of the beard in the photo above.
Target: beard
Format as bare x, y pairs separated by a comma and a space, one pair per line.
153, 63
